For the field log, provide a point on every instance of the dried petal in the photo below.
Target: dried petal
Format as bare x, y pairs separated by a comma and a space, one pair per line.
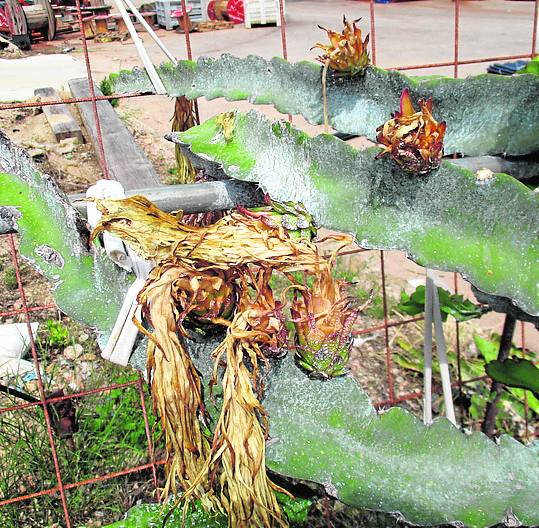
406, 104
176, 388
227, 122
238, 446
184, 118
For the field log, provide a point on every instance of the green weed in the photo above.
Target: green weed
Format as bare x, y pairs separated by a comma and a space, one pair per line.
365, 285
106, 89
172, 177
10, 279
57, 334
376, 307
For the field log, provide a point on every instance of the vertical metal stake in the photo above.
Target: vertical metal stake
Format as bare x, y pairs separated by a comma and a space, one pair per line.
427, 353
442, 354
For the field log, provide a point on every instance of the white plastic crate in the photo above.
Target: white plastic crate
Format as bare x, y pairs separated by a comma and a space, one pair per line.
262, 12
164, 8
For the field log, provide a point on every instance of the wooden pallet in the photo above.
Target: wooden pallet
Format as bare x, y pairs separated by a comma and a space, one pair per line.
212, 25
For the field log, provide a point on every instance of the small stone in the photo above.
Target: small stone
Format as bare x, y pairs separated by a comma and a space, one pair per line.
66, 146
31, 387
37, 153
88, 357
85, 370
72, 352
83, 337
484, 175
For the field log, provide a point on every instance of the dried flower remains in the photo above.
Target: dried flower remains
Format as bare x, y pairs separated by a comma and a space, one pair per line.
347, 51
218, 276
413, 139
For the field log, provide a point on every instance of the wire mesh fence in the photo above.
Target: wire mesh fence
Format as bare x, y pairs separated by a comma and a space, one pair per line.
61, 488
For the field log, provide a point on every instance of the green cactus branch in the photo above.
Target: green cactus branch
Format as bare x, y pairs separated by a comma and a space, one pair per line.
153, 515
486, 229
328, 432
486, 114
87, 286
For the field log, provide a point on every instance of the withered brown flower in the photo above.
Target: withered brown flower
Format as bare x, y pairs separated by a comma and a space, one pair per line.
203, 295
176, 387
183, 119
347, 52
238, 446
414, 139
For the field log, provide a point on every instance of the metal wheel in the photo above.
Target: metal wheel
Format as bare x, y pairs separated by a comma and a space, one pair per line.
15, 18
51, 30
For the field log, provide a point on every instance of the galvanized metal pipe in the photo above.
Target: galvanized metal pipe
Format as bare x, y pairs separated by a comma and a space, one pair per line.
190, 198
194, 197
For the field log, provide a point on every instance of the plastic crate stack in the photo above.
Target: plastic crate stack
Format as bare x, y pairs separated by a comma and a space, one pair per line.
164, 8
262, 12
